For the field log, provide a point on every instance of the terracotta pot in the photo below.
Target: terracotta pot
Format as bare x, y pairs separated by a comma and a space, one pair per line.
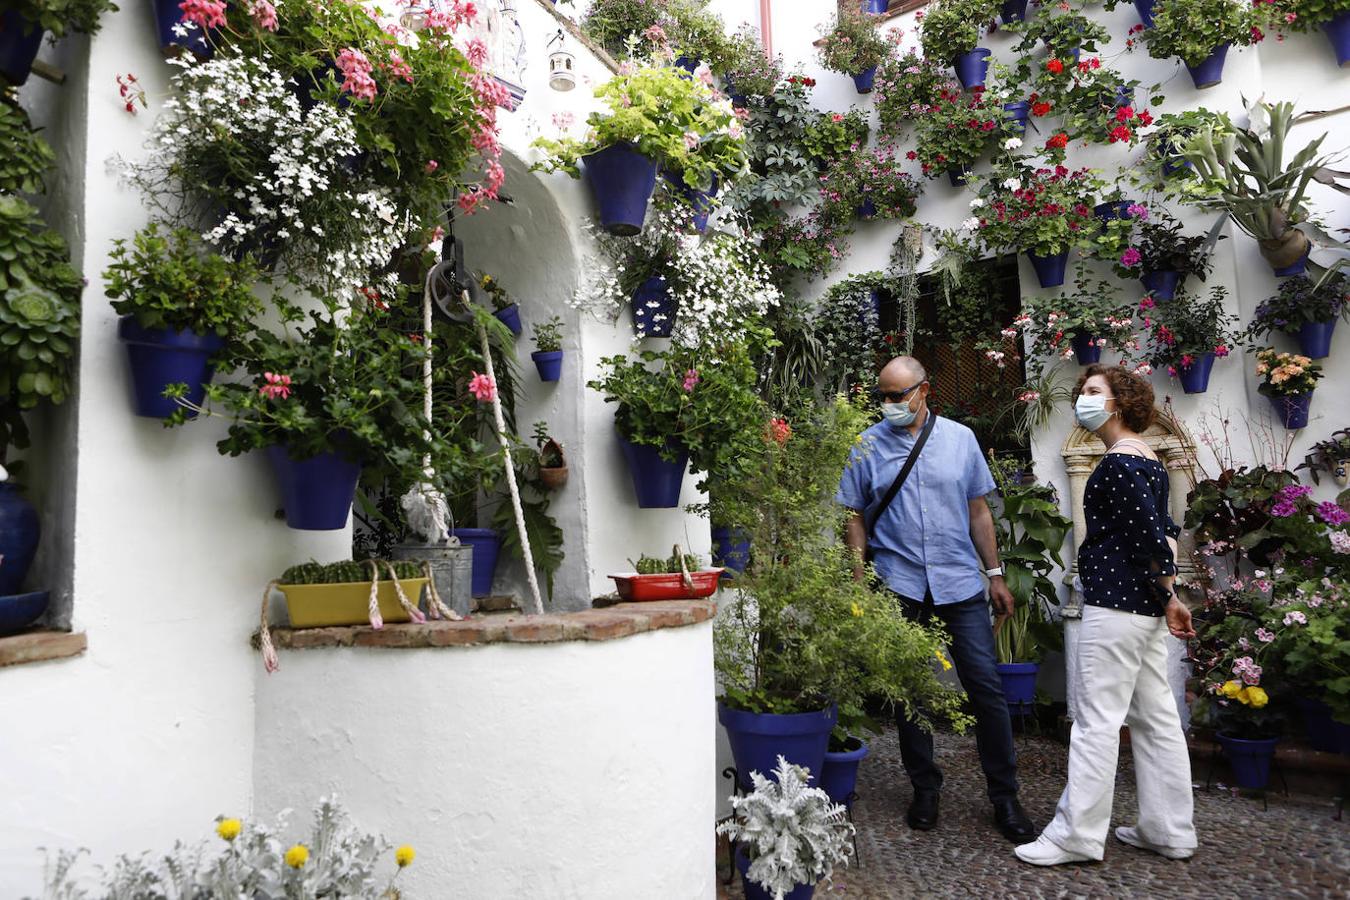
553, 479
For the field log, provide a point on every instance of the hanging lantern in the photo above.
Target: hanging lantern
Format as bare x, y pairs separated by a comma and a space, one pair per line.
562, 74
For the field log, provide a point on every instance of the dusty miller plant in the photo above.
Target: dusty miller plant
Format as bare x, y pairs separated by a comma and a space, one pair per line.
792, 833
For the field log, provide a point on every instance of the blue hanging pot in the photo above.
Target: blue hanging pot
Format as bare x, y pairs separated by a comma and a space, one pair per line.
1338, 32
486, 545
168, 16
510, 317
317, 492
688, 64
700, 202
20, 529
1013, 11
656, 480
1162, 284
1297, 267
1249, 759
1314, 339
730, 549
875, 7
1018, 114
864, 81
957, 175
971, 67
1116, 209
548, 363
20, 41
1049, 269
653, 308
1292, 409
1210, 71
1195, 377
622, 181
1086, 349
159, 357
1145, 10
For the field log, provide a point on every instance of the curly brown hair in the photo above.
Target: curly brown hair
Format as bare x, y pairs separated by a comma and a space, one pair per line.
1133, 394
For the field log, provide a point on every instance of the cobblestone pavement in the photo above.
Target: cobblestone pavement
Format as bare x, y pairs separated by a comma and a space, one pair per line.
1294, 849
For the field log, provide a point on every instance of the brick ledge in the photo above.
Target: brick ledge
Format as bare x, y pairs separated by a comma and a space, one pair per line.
609, 623
37, 646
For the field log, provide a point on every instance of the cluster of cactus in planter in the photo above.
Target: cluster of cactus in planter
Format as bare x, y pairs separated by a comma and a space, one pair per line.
651, 565
346, 571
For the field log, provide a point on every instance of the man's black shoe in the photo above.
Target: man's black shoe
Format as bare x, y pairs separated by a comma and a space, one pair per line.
923, 811
1012, 820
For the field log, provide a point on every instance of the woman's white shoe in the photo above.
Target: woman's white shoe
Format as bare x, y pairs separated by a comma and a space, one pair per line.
1130, 835
1045, 852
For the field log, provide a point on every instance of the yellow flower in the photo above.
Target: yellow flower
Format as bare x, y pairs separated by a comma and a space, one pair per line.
229, 829
1256, 697
1230, 689
297, 856
857, 610
946, 666
404, 856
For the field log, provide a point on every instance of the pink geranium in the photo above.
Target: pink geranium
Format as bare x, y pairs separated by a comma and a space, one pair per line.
277, 387
690, 379
264, 15
482, 387
204, 13
356, 69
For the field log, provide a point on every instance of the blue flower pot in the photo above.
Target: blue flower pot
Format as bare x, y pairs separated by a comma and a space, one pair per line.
752, 889
548, 363
1249, 760
1209, 72
1338, 32
1019, 683
957, 175
653, 308
486, 545
758, 739
1314, 339
1292, 410
1162, 284
1195, 377
20, 41
1172, 162
839, 773
867, 210
1086, 350
688, 64
700, 202
20, 529
159, 358
1324, 733
1116, 209
971, 67
1013, 11
1295, 268
730, 549
656, 481
167, 16
1018, 114
18, 611
875, 7
863, 81
622, 181
1145, 10
510, 317
1049, 269
317, 492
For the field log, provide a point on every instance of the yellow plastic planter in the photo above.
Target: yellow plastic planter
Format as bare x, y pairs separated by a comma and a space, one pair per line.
346, 603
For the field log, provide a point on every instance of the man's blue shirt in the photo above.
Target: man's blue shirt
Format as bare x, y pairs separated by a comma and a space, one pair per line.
922, 541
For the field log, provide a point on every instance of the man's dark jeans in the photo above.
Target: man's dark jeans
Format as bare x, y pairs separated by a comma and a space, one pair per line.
972, 650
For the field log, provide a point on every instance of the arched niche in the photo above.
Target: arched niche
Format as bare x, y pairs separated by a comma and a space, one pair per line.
1168, 438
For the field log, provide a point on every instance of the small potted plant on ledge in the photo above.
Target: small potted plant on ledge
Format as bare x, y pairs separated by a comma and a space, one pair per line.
950, 31
503, 307
788, 835
1187, 335
1199, 33
1078, 325
1046, 212
548, 353
552, 461
179, 305
657, 117
1031, 531
1288, 380
1305, 309
853, 47
677, 577
341, 593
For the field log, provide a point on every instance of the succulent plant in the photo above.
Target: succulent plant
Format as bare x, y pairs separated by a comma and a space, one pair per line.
345, 572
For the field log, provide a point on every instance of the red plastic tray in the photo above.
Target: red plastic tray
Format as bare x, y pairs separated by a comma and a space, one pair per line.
635, 588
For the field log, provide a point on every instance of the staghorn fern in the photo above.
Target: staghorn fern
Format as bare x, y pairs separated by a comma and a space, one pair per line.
792, 833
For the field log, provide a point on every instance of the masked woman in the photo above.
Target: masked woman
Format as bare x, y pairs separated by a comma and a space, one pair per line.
1127, 567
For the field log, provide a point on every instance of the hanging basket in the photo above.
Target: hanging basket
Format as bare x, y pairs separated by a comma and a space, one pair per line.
1049, 269
552, 478
622, 181
158, 358
971, 67
1195, 377
1086, 349
1210, 71
20, 41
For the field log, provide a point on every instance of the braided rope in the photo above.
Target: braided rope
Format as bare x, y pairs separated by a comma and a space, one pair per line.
373, 603
685, 578
413, 612
435, 605
269, 652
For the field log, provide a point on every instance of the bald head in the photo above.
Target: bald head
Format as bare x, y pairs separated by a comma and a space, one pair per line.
901, 372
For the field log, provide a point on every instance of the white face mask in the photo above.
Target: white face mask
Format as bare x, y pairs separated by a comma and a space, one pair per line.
1090, 411
898, 414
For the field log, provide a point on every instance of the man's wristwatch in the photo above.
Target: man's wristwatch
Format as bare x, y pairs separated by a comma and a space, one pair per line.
995, 572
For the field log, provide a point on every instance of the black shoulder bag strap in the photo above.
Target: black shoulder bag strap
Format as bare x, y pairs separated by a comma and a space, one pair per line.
899, 481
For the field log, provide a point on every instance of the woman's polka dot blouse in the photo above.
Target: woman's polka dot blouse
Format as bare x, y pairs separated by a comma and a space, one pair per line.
1126, 548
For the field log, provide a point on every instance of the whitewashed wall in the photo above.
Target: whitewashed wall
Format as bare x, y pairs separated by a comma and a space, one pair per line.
149, 735
546, 771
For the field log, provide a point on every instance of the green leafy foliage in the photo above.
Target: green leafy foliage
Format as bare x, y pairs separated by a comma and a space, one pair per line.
852, 43
906, 85
953, 27
546, 538
1193, 29
168, 279
1185, 328
63, 16
548, 335
24, 156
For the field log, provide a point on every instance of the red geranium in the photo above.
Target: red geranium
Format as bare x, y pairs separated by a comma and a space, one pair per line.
1042, 108
1055, 66
1058, 142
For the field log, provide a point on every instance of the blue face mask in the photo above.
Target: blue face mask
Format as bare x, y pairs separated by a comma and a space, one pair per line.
898, 414
1090, 411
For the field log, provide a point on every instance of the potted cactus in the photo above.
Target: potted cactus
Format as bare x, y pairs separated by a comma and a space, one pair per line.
341, 593
676, 577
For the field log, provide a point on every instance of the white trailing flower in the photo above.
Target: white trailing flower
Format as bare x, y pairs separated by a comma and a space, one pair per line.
793, 834
976, 202
971, 224
1012, 184
1012, 143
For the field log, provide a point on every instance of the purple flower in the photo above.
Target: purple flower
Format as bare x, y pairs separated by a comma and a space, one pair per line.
1130, 257
1293, 492
1284, 509
1137, 211
1332, 514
